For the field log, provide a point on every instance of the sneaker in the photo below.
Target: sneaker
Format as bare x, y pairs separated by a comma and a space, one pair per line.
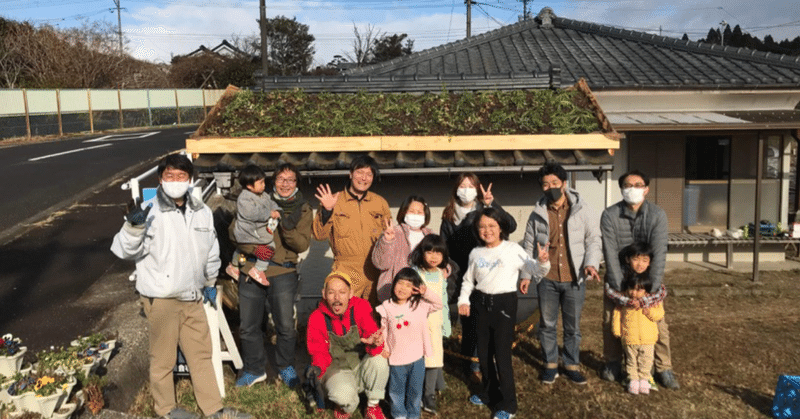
549, 375
180, 413
611, 371
429, 404
289, 376
633, 387
668, 380
575, 376
652, 382
374, 412
476, 400
338, 413
247, 379
229, 413
502, 414
644, 386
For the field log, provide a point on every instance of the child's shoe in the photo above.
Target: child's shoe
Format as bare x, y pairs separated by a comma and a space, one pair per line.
258, 276
644, 386
233, 272
338, 413
374, 412
653, 385
633, 387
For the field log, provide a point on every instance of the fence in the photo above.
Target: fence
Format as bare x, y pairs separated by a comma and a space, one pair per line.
27, 113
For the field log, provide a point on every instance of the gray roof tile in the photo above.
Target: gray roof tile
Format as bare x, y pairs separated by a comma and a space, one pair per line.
607, 57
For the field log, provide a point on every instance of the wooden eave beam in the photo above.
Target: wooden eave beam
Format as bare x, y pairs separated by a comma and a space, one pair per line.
401, 143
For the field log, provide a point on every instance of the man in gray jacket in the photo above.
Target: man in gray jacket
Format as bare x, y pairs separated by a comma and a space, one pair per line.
564, 221
634, 219
173, 242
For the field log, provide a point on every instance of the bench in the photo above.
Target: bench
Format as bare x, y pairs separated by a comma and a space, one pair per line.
704, 239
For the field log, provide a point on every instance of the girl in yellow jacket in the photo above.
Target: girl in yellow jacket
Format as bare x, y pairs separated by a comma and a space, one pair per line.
637, 326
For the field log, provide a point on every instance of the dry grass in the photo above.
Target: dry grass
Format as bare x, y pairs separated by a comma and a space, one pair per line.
731, 339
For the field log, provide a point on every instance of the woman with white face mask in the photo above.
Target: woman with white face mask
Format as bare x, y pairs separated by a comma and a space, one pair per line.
395, 245
468, 199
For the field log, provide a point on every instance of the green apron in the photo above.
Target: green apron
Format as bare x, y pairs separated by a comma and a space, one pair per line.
346, 350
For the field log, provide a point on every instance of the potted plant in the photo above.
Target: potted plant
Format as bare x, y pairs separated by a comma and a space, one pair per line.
11, 353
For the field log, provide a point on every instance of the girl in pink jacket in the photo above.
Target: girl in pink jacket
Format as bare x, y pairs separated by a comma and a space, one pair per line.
405, 326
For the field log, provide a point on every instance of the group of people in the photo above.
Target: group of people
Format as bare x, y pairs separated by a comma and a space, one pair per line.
384, 310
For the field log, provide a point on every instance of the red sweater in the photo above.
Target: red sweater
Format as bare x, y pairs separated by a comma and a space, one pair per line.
317, 332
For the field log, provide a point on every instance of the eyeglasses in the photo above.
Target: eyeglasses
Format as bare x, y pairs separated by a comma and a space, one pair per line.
285, 180
637, 186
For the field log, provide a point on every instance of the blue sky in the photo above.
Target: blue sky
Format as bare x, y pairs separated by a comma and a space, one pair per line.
157, 29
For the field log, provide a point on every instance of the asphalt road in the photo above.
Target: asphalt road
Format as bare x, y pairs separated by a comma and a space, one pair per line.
58, 215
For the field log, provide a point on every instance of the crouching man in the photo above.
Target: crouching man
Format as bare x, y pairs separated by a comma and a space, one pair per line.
173, 242
345, 345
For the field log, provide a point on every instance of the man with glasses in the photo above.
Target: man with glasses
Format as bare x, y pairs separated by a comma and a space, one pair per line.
352, 221
634, 220
292, 237
172, 239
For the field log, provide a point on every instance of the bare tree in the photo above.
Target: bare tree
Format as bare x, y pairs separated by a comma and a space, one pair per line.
363, 45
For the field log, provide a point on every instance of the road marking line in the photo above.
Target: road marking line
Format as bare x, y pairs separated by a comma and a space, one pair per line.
122, 137
68, 152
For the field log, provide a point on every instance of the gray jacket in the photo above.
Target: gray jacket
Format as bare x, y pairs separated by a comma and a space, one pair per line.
621, 227
252, 213
583, 233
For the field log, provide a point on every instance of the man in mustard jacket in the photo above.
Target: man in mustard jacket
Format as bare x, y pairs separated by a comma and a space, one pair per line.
352, 221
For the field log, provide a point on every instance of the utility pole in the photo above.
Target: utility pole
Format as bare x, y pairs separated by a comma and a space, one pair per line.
722, 25
119, 25
469, 17
263, 25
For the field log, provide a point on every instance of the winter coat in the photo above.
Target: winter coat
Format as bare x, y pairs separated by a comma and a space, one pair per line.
634, 327
252, 213
391, 256
317, 341
621, 226
582, 228
352, 230
176, 254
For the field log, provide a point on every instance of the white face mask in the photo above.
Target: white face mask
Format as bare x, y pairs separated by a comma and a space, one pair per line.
633, 196
175, 190
414, 220
467, 195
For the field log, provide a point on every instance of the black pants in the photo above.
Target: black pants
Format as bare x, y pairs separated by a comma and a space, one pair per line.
495, 316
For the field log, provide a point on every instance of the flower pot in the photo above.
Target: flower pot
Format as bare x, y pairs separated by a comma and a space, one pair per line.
48, 404
5, 398
71, 381
25, 402
105, 354
9, 365
65, 411
88, 368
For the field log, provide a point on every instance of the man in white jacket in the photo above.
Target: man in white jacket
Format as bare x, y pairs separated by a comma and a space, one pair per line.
171, 238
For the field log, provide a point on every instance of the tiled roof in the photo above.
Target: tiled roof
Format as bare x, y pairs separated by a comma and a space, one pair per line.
607, 57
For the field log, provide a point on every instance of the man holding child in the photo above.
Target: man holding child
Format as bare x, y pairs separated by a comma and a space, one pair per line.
634, 219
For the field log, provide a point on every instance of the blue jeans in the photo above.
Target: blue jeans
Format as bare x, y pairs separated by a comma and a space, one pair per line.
255, 300
569, 297
405, 389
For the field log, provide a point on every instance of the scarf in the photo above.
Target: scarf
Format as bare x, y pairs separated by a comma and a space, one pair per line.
290, 203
